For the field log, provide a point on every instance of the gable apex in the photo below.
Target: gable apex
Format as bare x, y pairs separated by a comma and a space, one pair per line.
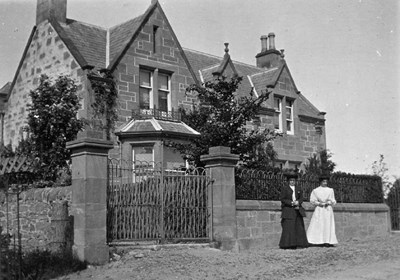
224, 63
285, 69
124, 35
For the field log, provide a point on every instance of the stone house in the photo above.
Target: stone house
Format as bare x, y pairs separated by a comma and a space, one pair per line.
152, 71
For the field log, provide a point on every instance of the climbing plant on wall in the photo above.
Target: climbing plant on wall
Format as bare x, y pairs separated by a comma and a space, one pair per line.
105, 99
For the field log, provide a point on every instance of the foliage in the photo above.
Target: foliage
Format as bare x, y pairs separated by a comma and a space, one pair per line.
380, 169
320, 163
52, 122
6, 151
105, 99
220, 117
45, 264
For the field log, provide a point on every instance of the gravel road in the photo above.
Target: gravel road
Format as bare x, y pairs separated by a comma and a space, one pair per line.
371, 259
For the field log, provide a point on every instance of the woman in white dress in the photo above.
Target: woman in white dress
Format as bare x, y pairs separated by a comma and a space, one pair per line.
321, 230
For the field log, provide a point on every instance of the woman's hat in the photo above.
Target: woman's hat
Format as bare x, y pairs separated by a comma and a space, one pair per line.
324, 177
291, 175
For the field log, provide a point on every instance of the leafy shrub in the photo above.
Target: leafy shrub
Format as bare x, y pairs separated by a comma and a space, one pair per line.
39, 264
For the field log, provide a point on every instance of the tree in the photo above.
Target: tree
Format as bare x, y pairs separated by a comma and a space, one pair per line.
52, 122
220, 117
379, 168
320, 163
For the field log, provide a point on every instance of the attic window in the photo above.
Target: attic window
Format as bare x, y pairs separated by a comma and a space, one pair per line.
289, 116
277, 114
156, 39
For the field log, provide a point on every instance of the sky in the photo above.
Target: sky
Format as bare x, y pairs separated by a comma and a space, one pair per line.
344, 56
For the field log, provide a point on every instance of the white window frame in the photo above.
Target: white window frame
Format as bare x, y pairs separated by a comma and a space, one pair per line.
168, 91
279, 112
290, 127
136, 178
150, 88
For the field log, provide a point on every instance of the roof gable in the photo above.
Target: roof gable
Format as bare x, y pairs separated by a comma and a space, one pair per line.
123, 36
284, 79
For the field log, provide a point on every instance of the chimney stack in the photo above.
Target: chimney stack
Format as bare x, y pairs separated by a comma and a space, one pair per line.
264, 47
269, 56
271, 37
45, 9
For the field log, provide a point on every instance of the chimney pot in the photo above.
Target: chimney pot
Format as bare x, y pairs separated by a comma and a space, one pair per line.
45, 9
264, 46
271, 37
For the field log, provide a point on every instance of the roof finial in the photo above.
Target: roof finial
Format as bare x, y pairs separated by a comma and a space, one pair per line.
226, 47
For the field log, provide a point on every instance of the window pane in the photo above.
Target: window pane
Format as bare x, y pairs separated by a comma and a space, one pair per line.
163, 100
143, 154
163, 82
289, 103
289, 126
276, 120
145, 78
277, 103
289, 113
144, 98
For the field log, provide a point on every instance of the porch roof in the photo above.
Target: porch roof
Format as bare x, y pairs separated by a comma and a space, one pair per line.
156, 126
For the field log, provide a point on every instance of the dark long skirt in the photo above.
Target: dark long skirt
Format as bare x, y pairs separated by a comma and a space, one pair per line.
293, 233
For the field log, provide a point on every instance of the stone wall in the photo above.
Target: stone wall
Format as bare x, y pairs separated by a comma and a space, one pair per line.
38, 209
258, 222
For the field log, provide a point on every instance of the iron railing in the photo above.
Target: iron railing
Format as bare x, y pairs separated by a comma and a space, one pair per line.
260, 185
393, 201
174, 116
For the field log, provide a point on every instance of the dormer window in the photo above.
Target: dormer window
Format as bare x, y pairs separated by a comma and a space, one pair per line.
278, 113
289, 117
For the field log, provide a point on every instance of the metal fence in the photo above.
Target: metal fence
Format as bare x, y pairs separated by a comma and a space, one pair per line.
148, 202
260, 185
393, 201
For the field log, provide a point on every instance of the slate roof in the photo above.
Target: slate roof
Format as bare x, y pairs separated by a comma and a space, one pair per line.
120, 35
155, 125
253, 77
90, 41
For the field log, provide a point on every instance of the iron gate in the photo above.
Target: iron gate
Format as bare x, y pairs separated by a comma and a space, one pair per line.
393, 202
147, 202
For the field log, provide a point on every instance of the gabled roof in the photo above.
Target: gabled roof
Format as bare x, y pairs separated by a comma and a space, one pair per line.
121, 35
254, 77
155, 127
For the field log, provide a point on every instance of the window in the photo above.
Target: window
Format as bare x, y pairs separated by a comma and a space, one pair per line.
142, 153
151, 97
278, 113
164, 95
145, 90
143, 162
289, 116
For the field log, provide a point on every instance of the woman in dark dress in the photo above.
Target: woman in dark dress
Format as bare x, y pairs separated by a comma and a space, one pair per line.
293, 232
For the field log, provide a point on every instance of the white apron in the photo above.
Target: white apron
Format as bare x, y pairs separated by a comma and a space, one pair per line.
322, 225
